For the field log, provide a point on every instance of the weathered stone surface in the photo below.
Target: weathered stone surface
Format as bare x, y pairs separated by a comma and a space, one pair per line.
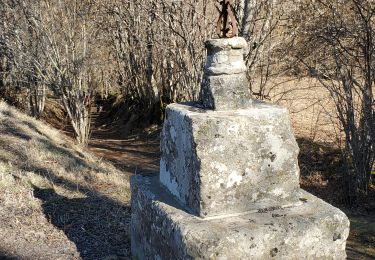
161, 229
218, 162
225, 85
225, 92
229, 179
225, 56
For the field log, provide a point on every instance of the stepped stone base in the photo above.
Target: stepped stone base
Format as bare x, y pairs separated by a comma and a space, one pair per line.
162, 229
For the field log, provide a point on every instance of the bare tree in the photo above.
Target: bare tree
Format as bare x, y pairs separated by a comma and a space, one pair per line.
266, 27
20, 56
69, 51
339, 49
158, 49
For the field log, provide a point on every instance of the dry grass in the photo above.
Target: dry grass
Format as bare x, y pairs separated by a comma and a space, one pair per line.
319, 137
317, 128
54, 192
311, 107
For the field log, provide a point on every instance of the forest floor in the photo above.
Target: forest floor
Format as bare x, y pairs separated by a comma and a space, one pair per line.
319, 175
320, 165
312, 117
59, 201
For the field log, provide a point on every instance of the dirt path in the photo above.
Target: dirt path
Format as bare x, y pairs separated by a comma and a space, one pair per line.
139, 153
132, 154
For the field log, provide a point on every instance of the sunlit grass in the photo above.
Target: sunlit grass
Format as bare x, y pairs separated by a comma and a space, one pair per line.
48, 183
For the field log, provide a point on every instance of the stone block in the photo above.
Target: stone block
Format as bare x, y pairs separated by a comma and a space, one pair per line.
218, 162
225, 92
162, 229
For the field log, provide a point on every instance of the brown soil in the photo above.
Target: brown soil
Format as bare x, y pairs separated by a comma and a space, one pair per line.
320, 164
320, 174
134, 153
57, 200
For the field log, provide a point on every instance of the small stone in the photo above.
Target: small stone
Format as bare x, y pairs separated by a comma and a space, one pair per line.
274, 252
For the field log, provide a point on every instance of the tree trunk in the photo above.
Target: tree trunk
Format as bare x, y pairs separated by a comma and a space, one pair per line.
78, 105
37, 100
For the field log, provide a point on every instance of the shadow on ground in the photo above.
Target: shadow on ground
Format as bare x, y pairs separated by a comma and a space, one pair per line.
321, 174
129, 155
7, 256
135, 153
97, 225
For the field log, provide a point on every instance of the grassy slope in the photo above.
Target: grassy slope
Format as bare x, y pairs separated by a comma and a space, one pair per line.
55, 193
43, 174
316, 127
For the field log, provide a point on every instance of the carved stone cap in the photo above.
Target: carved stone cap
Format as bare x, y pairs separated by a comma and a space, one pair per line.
225, 85
225, 56
226, 43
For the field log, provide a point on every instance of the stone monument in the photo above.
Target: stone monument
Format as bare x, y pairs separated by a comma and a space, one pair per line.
228, 186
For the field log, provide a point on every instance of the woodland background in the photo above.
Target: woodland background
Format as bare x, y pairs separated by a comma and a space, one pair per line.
137, 56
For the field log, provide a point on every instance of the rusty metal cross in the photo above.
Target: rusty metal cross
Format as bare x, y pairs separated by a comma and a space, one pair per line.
226, 25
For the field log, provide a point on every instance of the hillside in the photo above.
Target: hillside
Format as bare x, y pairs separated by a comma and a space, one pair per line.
58, 201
